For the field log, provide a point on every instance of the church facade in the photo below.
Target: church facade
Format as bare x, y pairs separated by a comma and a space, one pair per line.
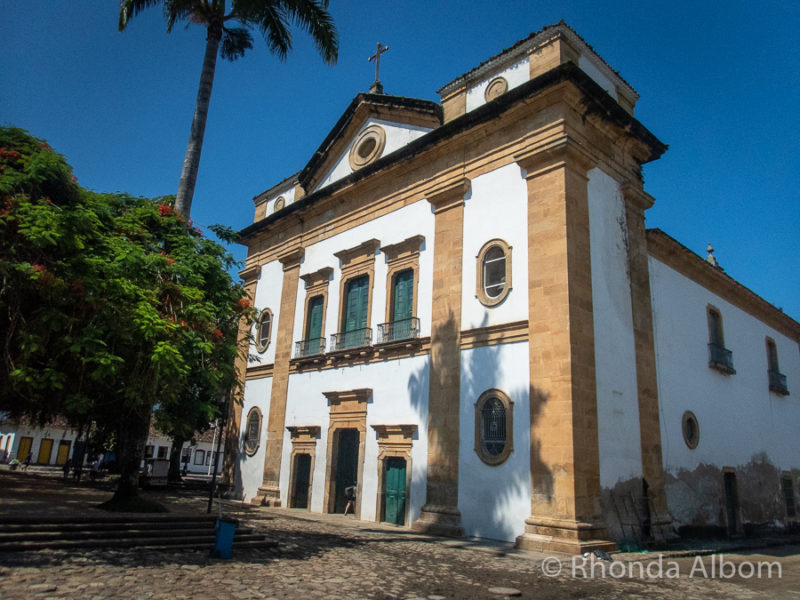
461, 312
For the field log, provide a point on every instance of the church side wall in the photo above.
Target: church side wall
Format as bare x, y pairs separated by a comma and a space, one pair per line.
250, 469
615, 358
496, 208
495, 500
399, 397
744, 428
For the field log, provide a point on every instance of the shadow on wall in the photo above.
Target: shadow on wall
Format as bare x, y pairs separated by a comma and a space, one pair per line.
503, 492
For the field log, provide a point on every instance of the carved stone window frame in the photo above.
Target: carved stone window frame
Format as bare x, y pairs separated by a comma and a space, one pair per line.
688, 420
480, 293
251, 449
401, 257
394, 441
261, 348
508, 404
304, 441
367, 147
355, 262
348, 410
316, 284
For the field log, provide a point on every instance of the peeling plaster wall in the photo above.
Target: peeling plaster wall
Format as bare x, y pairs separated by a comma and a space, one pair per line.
495, 500
743, 425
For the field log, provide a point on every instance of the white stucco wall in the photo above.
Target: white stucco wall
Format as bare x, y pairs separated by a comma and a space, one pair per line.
397, 136
589, 67
250, 469
288, 198
497, 207
399, 397
415, 219
737, 414
495, 500
515, 75
268, 295
614, 348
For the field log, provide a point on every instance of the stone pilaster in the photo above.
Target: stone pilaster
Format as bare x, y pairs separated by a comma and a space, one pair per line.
565, 464
440, 514
234, 416
269, 492
636, 202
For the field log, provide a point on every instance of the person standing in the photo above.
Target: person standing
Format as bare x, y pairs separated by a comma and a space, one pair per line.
28, 460
350, 494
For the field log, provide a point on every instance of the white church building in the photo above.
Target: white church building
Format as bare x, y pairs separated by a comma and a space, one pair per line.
461, 311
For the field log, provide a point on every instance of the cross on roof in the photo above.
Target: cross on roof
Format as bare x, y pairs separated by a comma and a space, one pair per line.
376, 87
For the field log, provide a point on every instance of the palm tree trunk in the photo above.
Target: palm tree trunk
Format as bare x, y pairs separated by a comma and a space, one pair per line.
191, 162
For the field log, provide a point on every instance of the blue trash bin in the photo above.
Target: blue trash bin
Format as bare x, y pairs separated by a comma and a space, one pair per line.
225, 530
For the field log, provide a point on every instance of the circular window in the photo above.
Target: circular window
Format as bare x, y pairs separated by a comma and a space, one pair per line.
497, 87
494, 272
263, 330
691, 430
494, 430
367, 147
279, 203
252, 432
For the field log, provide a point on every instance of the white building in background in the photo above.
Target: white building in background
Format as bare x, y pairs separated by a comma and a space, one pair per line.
461, 310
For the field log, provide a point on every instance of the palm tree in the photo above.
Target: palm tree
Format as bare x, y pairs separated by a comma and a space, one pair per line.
228, 34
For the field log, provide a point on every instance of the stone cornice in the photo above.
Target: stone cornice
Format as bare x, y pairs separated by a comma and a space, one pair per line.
364, 251
360, 395
292, 258
319, 277
250, 273
558, 153
304, 431
678, 257
385, 431
408, 246
448, 194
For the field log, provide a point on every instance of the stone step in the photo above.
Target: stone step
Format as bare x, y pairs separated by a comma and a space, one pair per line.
198, 542
86, 534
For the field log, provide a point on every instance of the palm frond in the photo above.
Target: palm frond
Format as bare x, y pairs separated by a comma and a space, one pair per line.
130, 8
313, 17
235, 42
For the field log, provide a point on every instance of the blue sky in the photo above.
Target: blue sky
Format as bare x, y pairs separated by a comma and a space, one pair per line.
719, 82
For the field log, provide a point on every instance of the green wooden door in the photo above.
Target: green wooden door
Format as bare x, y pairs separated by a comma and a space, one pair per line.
355, 312
302, 478
346, 466
395, 484
402, 304
314, 325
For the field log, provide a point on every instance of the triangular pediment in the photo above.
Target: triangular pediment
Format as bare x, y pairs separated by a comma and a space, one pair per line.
373, 126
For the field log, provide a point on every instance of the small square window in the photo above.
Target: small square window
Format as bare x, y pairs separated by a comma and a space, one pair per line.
199, 457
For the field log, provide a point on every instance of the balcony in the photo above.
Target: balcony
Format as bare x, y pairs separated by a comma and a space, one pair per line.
404, 329
777, 383
346, 340
720, 359
312, 347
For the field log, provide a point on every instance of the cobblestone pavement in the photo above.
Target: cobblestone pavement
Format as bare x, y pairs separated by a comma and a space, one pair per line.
321, 556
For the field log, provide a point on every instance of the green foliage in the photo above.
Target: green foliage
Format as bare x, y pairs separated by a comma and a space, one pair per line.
110, 305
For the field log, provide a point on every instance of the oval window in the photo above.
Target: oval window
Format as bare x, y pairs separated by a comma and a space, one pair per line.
494, 272
252, 433
494, 427
263, 330
691, 430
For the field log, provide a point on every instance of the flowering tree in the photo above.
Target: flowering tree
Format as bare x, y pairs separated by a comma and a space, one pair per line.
111, 308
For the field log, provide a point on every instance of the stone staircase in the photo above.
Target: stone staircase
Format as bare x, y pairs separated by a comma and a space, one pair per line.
152, 531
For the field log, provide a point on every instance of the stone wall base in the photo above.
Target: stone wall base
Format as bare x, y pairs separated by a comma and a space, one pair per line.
439, 520
564, 535
267, 496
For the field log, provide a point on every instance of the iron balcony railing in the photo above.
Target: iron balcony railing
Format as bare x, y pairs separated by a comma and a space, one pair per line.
311, 347
777, 382
403, 329
720, 358
344, 340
